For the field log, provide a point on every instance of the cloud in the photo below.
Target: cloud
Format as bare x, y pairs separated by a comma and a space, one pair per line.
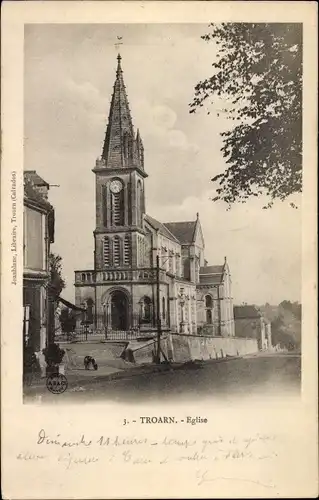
85, 93
163, 116
157, 123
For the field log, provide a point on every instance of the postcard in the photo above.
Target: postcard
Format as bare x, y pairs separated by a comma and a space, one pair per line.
158, 230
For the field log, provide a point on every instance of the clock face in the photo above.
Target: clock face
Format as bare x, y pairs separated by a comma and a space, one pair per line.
116, 186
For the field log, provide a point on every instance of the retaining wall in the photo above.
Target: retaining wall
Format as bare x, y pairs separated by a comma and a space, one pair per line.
101, 351
187, 348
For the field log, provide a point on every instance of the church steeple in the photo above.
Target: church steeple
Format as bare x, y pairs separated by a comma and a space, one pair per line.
121, 149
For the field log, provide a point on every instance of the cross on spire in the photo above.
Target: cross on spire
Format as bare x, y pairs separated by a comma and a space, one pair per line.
118, 43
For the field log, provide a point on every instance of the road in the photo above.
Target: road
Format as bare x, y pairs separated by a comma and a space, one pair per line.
256, 376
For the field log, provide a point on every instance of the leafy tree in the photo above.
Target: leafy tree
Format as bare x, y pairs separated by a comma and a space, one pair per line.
55, 287
258, 75
281, 334
57, 282
293, 307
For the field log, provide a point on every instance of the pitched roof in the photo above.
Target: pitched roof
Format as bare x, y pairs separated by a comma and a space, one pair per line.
211, 275
183, 231
160, 227
211, 269
35, 178
210, 279
30, 193
241, 312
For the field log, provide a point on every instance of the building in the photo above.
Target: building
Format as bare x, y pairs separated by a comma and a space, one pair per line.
250, 323
38, 234
146, 270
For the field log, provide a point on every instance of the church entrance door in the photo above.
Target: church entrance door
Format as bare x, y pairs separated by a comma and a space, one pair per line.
119, 311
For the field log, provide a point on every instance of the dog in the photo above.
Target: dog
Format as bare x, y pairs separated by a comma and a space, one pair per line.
90, 361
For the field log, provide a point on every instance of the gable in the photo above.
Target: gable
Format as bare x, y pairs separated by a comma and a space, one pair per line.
198, 235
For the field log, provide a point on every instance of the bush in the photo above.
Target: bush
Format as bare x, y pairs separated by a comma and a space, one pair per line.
53, 355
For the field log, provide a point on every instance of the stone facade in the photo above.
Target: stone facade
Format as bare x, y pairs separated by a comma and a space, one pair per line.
38, 234
141, 264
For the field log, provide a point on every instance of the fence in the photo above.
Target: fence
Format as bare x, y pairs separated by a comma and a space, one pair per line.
86, 335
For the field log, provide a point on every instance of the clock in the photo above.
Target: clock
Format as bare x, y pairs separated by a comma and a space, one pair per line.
116, 186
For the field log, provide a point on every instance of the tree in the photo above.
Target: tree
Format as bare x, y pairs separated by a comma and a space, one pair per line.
57, 282
282, 335
55, 287
293, 307
258, 76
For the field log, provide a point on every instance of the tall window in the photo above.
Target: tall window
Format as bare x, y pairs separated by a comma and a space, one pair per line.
140, 202
127, 250
106, 251
163, 308
209, 307
104, 198
89, 311
117, 208
116, 252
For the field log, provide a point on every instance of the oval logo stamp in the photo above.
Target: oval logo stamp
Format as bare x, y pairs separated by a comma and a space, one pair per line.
57, 383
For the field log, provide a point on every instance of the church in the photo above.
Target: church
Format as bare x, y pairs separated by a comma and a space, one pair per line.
146, 272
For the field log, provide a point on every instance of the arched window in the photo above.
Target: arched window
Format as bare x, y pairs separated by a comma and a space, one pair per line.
83, 277
127, 250
209, 307
146, 310
116, 251
106, 251
163, 308
209, 301
140, 202
104, 202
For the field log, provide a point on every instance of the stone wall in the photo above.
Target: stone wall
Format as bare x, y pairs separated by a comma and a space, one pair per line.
101, 351
187, 347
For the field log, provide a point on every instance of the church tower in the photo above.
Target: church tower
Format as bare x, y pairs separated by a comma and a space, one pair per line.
120, 198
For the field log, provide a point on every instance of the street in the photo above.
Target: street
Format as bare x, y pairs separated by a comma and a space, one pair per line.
262, 375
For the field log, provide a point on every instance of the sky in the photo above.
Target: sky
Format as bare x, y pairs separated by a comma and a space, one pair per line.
68, 82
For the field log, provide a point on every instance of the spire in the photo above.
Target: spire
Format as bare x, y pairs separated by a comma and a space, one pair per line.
118, 149
119, 69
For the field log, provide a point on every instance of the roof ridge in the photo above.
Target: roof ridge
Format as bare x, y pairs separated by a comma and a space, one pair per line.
181, 222
162, 224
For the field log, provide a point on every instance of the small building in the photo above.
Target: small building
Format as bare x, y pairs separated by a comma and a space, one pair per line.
250, 323
38, 234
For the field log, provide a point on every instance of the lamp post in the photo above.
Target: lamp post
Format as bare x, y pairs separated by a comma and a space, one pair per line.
158, 312
158, 307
